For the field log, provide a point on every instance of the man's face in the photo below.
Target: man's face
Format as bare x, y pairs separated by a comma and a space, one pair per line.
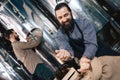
16, 36
65, 18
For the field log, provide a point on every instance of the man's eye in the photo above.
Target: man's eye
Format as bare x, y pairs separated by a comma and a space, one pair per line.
66, 15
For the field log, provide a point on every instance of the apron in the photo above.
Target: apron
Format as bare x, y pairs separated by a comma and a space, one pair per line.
77, 44
79, 47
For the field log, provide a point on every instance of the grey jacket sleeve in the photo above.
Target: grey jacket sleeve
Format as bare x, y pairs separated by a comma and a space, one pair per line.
63, 42
30, 44
90, 39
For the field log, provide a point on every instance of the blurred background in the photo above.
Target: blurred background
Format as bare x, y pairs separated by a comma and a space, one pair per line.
24, 15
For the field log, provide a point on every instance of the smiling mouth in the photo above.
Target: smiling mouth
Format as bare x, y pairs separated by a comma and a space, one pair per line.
66, 23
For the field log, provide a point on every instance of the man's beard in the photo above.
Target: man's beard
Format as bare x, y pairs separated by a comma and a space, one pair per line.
68, 27
17, 38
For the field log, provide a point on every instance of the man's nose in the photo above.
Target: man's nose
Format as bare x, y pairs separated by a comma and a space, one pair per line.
64, 19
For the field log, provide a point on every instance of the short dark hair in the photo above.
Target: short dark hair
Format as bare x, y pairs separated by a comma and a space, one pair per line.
8, 33
31, 31
34, 29
60, 5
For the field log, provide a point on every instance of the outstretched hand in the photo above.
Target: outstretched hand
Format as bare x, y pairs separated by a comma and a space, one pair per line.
63, 55
84, 64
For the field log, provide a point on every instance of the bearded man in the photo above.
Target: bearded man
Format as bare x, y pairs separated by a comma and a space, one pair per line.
75, 37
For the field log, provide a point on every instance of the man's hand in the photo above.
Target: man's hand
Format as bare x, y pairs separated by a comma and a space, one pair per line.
63, 55
84, 64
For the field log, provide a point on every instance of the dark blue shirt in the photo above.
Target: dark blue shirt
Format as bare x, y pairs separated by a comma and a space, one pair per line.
89, 37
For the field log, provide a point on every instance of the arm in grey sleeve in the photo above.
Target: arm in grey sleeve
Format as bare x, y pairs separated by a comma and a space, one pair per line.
30, 44
90, 39
63, 43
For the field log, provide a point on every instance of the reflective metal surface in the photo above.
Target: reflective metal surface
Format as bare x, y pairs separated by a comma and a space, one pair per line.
6, 70
24, 15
